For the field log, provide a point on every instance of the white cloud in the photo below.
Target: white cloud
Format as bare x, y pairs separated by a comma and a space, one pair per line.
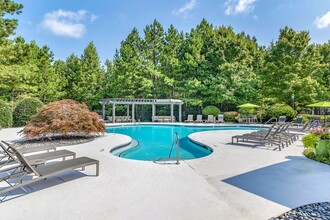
186, 8
323, 21
67, 23
233, 7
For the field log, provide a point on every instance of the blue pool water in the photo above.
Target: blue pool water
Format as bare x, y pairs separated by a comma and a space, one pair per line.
155, 141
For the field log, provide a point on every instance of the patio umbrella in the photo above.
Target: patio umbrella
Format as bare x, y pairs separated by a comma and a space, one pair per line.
323, 104
248, 105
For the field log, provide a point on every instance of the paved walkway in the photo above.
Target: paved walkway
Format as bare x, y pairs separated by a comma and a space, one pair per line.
234, 182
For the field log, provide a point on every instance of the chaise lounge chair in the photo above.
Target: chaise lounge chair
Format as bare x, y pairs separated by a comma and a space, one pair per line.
190, 119
210, 119
199, 119
281, 120
220, 119
41, 172
298, 121
305, 129
9, 158
265, 138
281, 132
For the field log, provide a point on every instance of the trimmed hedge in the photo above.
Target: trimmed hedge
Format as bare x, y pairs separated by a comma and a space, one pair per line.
231, 116
6, 117
278, 110
211, 110
25, 109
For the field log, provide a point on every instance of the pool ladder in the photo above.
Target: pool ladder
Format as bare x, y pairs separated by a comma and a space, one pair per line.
176, 142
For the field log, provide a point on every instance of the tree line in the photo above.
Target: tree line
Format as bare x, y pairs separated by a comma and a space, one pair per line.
209, 65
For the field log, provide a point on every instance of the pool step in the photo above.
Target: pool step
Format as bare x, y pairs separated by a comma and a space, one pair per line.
120, 150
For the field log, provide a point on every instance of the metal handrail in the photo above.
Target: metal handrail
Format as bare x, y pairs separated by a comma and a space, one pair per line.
271, 119
175, 141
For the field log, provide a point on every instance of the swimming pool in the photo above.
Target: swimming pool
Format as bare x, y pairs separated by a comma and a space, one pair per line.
154, 142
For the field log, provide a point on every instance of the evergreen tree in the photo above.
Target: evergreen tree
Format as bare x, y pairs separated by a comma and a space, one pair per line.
71, 73
8, 25
109, 83
170, 63
130, 77
153, 48
91, 82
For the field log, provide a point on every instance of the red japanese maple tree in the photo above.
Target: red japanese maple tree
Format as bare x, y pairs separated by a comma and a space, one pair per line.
64, 118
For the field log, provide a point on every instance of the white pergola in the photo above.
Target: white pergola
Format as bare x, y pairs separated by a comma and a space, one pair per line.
133, 102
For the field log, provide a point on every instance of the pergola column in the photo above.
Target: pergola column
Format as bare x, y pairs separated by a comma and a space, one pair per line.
171, 112
133, 112
153, 112
113, 113
103, 110
180, 115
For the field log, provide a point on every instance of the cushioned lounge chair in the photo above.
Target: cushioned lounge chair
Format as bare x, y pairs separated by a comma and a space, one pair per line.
42, 172
190, 119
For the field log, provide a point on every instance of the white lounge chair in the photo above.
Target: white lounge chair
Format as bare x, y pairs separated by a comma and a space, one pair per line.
190, 119
199, 119
220, 119
210, 119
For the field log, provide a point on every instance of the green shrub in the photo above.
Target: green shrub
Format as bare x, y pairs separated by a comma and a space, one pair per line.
309, 152
230, 116
211, 110
25, 109
6, 117
278, 110
310, 140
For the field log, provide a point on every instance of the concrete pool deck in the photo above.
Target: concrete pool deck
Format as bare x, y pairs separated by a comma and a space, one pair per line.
234, 182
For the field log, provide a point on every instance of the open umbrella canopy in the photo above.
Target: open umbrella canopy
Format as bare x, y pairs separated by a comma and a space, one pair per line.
323, 104
248, 105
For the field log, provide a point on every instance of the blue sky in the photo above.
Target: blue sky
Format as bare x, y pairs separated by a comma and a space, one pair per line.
67, 26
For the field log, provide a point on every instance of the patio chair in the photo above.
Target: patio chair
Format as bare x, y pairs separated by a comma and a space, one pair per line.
305, 129
190, 119
281, 120
27, 150
254, 119
210, 119
18, 179
220, 119
199, 119
242, 119
34, 159
298, 121
109, 119
266, 138
281, 133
